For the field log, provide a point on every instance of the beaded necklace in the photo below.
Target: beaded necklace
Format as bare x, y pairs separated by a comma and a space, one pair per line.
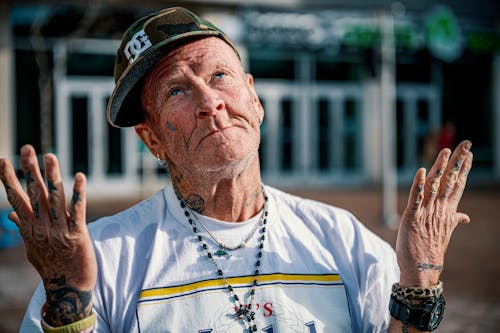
243, 312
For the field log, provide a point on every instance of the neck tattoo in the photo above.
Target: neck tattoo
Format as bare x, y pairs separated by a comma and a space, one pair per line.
242, 312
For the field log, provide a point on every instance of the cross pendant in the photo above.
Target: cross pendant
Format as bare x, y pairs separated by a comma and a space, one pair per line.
242, 311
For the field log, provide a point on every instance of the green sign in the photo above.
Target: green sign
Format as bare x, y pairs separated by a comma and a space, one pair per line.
443, 34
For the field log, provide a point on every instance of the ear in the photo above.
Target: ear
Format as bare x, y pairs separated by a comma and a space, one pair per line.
258, 104
147, 135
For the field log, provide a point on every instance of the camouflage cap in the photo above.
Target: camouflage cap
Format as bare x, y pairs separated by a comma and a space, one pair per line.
147, 41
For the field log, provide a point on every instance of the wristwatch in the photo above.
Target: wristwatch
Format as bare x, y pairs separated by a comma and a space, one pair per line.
425, 316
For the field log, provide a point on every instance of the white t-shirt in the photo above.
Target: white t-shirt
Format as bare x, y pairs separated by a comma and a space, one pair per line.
321, 271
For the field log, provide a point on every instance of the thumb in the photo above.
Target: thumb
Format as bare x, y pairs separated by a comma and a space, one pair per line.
462, 218
14, 218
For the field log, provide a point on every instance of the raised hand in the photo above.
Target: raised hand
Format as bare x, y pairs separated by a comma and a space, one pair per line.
56, 239
431, 217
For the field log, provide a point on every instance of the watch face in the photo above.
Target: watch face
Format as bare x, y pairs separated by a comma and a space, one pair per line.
427, 317
436, 313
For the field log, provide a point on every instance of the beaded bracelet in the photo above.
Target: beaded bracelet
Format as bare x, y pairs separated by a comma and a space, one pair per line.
405, 293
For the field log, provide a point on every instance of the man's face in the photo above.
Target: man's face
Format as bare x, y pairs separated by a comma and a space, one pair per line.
203, 113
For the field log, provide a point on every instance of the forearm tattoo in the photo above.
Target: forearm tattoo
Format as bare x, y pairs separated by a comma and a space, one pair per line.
65, 304
423, 266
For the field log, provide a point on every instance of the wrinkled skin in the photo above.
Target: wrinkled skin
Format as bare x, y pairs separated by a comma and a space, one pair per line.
431, 216
203, 118
56, 239
429, 220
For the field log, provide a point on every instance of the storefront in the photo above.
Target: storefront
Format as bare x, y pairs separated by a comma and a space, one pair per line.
319, 73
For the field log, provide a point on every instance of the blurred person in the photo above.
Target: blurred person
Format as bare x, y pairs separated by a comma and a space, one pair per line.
216, 250
446, 137
430, 147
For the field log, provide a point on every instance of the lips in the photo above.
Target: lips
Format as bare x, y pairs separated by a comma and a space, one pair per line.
220, 130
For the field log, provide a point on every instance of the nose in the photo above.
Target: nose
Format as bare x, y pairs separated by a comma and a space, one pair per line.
210, 103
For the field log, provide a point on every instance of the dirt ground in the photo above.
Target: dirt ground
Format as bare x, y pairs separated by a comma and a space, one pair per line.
472, 264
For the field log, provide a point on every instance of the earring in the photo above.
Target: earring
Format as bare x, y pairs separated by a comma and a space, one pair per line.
160, 161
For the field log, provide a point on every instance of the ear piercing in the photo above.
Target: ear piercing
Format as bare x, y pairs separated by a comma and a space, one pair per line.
160, 161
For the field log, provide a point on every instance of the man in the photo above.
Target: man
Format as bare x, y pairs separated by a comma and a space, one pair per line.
217, 251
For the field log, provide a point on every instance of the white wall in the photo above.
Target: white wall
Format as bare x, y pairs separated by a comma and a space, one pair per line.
6, 85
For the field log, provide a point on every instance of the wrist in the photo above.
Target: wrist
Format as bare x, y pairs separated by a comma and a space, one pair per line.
56, 315
424, 281
86, 325
66, 305
422, 275
419, 307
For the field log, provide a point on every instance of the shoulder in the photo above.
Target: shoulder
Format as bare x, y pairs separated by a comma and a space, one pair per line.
310, 210
132, 221
335, 224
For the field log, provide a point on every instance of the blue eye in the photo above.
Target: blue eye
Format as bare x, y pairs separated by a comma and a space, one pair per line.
174, 92
220, 75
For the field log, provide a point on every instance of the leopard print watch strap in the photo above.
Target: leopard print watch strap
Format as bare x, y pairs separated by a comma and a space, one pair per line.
405, 293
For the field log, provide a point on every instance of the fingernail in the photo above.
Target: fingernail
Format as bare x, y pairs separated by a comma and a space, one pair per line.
467, 145
25, 149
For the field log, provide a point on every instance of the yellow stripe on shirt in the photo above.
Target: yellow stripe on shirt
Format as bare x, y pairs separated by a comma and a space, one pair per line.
264, 279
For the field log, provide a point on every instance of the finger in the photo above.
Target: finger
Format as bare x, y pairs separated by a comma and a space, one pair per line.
78, 204
15, 194
463, 218
57, 202
458, 190
35, 186
453, 169
14, 218
433, 179
416, 192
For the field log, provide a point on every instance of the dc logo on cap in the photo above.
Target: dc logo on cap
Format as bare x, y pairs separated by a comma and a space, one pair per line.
139, 43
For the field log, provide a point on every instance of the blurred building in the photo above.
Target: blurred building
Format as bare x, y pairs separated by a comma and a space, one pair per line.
319, 67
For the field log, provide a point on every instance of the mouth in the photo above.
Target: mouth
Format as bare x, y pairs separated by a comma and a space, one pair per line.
219, 130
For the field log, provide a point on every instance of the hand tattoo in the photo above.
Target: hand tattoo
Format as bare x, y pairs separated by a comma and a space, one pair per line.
76, 198
36, 209
29, 178
51, 186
